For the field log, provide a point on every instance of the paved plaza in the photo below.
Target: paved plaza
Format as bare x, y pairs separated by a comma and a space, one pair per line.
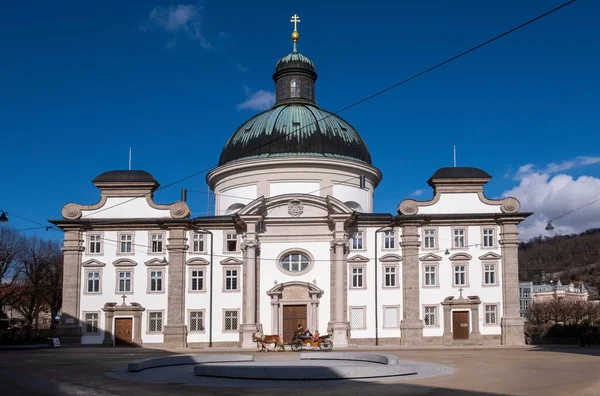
505, 371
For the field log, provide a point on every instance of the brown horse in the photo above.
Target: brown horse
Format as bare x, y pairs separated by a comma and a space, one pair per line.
265, 340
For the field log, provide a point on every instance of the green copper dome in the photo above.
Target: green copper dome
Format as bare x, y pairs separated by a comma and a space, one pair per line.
294, 59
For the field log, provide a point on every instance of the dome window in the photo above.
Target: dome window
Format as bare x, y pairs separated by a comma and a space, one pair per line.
294, 88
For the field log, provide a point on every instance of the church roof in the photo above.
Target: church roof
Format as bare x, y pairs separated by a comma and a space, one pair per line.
460, 172
124, 176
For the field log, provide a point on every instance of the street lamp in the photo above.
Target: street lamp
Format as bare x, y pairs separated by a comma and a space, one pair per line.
3, 217
549, 227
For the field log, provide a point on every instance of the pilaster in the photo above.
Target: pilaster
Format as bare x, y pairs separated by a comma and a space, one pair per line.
249, 324
69, 330
340, 253
511, 323
175, 331
411, 326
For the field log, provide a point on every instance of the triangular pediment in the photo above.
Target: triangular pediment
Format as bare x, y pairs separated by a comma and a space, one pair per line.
197, 261
124, 262
490, 256
93, 263
430, 257
460, 256
231, 261
390, 258
357, 259
157, 262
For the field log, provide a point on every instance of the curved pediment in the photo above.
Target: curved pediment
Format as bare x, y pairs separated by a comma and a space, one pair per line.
357, 259
490, 256
157, 262
431, 257
391, 257
295, 206
310, 288
93, 263
460, 256
197, 261
124, 262
231, 261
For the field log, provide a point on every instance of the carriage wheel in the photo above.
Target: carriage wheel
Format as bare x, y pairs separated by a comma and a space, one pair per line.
296, 346
326, 345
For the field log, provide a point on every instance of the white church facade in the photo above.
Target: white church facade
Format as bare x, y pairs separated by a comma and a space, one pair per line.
294, 241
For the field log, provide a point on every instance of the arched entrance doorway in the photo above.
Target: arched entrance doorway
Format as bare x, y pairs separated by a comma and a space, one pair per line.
294, 303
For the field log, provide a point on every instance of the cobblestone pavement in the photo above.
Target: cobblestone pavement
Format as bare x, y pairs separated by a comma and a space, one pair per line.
506, 371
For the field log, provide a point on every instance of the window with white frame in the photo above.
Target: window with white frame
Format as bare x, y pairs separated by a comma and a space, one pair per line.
155, 322
491, 314
524, 304
358, 274
391, 317
389, 240
156, 243
489, 274
125, 243
156, 280
489, 237
197, 279
390, 276
231, 279
230, 318
95, 243
92, 323
294, 262
460, 274
93, 282
429, 239
358, 317
459, 237
357, 240
198, 243
124, 281
231, 242
430, 275
430, 317
196, 321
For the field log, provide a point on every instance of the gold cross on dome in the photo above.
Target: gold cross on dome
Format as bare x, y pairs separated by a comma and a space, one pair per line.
295, 20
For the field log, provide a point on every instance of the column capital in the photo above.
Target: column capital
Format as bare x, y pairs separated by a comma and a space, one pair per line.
344, 242
249, 244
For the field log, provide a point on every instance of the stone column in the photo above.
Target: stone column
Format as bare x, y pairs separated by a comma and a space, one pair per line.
248, 327
511, 323
411, 327
69, 330
175, 331
109, 315
314, 309
340, 323
447, 338
475, 333
275, 315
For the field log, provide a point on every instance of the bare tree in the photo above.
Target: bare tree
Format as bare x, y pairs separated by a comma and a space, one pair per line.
11, 242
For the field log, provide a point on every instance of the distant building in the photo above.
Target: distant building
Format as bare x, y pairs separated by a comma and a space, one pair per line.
528, 293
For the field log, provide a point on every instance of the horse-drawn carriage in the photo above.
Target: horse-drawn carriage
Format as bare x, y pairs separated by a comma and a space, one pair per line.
298, 343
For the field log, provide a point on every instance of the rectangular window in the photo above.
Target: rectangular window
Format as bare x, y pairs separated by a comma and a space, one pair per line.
489, 274
430, 318
357, 277
459, 238
357, 240
198, 243
357, 317
231, 279
231, 320
389, 276
124, 278
197, 280
156, 281
429, 239
460, 275
430, 275
491, 314
93, 282
95, 244
92, 323
524, 305
391, 317
389, 240
157, 243
155, 322
488, 237
231, 242
196, 321
125, 245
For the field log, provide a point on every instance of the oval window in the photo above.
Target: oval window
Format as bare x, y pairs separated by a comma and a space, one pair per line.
295, 262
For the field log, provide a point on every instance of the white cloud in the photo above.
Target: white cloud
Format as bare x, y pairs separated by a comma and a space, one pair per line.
416, 193
181, 18
551, 195
259, 100
241, 68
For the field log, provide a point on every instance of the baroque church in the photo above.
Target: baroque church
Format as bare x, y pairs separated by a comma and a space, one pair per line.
294, 241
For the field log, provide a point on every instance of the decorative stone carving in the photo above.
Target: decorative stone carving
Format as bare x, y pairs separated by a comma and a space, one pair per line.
345, 242
408, 207
295, 208
179, 210
250, 243
71, 211
510, 205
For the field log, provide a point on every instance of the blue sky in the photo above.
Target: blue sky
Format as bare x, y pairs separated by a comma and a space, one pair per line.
81, 82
